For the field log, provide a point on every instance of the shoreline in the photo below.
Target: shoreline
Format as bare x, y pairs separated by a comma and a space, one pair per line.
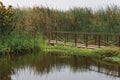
107, 54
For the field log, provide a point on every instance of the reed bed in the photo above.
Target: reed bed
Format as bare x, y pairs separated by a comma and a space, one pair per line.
21, 28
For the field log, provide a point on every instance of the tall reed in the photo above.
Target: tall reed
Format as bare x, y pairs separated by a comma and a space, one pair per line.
77, 19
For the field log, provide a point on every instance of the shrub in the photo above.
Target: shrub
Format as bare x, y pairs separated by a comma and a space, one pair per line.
6, 19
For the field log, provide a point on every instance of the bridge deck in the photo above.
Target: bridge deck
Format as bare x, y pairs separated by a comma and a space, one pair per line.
79, 45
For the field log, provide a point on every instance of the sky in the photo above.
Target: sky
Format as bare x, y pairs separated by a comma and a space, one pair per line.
62, 4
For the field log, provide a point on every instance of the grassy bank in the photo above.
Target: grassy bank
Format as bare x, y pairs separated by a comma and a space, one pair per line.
67, 50
109, 54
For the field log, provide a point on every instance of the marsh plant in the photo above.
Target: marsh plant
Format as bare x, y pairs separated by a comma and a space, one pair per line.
14, 40
21, 28
76, 19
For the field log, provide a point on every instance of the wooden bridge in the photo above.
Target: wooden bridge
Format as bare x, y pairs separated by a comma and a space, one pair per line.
82, 39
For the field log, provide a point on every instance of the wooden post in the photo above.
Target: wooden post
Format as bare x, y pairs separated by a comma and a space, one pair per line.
119, 41
64, 39
86, 40
49, 36
67, 35
107, 39
99, 37
116, 40
95, 37
56, 37
75, 39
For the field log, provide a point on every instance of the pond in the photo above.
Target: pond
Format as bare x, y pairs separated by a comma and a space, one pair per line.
56, 67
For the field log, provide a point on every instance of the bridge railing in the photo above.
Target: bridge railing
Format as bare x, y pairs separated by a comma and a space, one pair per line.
85, 38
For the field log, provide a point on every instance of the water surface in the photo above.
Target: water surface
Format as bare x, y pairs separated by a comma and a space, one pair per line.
55, 67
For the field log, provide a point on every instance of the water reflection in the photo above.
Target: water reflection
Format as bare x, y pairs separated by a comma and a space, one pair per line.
56, 67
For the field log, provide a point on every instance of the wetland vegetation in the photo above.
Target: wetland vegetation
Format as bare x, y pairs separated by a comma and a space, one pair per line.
23, 27
21, 33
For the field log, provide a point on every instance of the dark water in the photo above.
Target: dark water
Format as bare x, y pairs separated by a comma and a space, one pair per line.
55, 67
